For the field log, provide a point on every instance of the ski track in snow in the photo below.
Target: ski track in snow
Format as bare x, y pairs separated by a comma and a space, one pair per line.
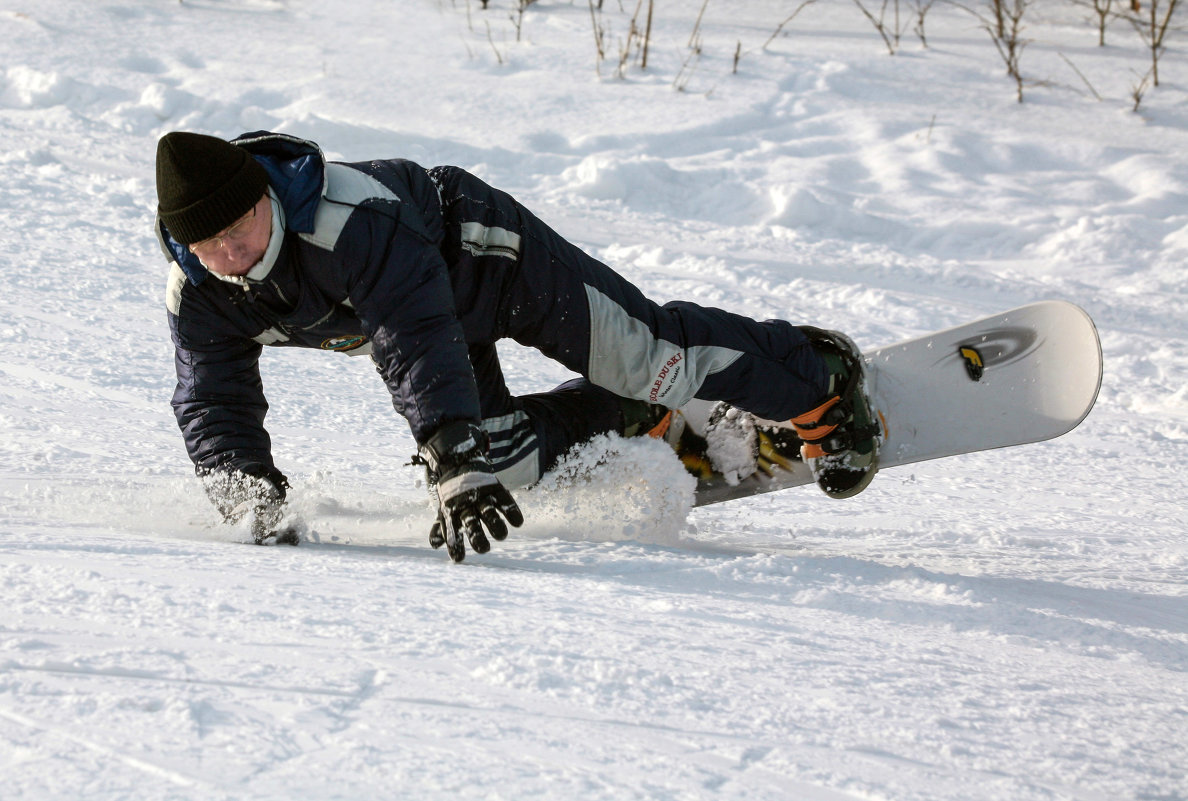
1006, 625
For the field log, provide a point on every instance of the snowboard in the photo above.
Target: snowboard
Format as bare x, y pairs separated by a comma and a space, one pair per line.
1025, 375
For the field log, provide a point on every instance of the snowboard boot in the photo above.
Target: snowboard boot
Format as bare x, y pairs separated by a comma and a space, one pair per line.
643, 419
841, 435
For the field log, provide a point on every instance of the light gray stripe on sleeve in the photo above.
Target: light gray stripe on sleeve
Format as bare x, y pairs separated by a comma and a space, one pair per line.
270, 336
362, 350
346, 188
173, 289
627, 359
493, 241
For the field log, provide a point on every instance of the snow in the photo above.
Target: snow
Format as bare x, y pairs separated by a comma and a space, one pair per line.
1007, 625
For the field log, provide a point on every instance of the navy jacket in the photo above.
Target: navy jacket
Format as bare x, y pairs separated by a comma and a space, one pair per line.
360, 270
425, 271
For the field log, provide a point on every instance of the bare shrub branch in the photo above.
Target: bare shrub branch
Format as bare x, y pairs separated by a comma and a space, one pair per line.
779, 28
1153, 29
1081, 74
890, 38
1139, 89
921, 7
599, 34
1005, 26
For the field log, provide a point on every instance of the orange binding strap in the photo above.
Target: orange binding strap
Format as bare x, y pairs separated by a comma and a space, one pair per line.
808, 425
660, 429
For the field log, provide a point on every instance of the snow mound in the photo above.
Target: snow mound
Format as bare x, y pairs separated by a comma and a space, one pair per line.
650, 185
609, 490
26, 88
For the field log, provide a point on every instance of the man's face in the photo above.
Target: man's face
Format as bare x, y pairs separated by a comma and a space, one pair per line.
239, 246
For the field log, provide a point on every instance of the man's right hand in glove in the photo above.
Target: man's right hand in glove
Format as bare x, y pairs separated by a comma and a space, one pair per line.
469, 496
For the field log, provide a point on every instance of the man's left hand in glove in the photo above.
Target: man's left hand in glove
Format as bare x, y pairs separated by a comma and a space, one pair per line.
255, 492
469, 496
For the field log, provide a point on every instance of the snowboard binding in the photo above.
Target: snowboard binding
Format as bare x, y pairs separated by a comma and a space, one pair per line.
838, 440
731, 444
841, 434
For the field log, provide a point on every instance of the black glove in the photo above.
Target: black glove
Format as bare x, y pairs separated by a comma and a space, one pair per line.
468, 494
253, 490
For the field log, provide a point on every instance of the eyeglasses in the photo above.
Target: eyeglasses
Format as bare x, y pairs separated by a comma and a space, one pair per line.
240, 230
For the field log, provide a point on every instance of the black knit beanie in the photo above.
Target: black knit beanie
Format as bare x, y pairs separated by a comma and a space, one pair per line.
204, 184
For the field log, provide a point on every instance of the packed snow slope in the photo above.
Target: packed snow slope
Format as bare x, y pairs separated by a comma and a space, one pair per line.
1010, 625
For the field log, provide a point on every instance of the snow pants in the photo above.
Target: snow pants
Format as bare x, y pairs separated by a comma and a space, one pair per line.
514, 277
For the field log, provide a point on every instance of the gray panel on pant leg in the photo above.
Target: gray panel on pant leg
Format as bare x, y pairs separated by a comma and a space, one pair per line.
628, 359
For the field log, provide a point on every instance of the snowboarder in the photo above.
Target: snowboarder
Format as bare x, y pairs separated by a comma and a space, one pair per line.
424, 270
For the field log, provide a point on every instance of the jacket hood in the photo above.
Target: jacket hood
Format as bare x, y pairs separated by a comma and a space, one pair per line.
297, 174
